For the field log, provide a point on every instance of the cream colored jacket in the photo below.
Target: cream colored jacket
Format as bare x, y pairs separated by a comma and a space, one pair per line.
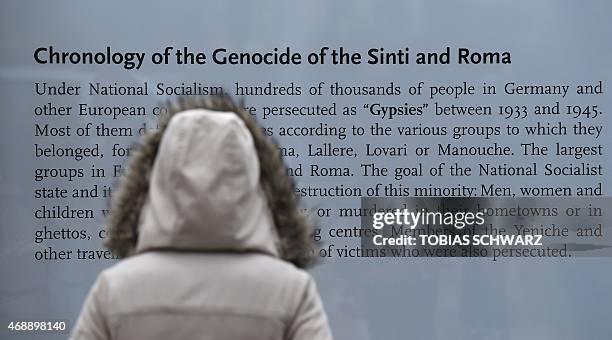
207, 265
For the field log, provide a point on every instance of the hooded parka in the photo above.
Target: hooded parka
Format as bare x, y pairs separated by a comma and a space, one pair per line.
203, 257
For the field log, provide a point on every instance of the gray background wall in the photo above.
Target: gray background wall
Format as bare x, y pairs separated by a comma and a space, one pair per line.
552, 41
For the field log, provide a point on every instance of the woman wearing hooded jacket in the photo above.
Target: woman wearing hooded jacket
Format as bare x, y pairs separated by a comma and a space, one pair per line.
212, 240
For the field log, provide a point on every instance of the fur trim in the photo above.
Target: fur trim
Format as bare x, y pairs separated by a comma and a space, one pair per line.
294, 228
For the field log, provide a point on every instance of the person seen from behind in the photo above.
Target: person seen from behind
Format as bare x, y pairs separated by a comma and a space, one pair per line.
211, 238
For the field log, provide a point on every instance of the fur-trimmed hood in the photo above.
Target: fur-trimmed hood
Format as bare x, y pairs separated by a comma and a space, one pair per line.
208, 179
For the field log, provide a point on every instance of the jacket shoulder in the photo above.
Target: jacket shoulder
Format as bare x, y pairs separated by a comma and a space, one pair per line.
242, 264
219, 290
236, 281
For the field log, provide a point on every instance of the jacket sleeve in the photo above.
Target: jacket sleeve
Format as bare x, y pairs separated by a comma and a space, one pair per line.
310, 320
92, 323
